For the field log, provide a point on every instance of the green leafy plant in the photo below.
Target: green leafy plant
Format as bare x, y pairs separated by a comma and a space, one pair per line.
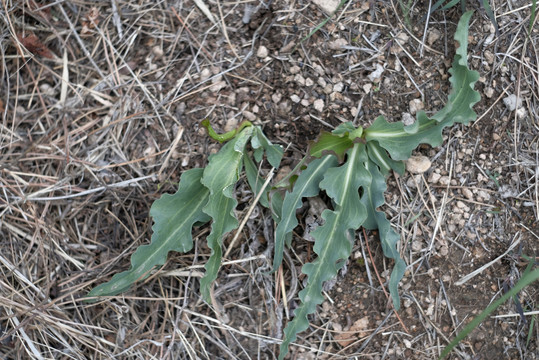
349, 164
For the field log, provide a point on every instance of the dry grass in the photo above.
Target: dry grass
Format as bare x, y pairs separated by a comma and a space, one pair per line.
99, 117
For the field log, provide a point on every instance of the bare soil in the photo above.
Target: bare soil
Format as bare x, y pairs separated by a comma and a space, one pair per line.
101, 106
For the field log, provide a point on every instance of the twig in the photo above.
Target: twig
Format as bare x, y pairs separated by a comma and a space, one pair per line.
474, 273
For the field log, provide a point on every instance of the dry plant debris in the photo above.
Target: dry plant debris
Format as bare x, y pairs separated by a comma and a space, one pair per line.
79, 171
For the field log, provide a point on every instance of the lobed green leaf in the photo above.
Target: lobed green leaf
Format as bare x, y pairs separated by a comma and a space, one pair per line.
174, 216
373, 197
462, 96
220, 177
382, 159
328, 143
274, 153
333, 240
307, 185
400, 140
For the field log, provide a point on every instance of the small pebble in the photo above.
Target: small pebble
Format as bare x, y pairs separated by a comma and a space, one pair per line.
376, 74
295, 98
434, 178
249, 115
418, 164
299, 79
416, 105
433, 36
338, 87
319, 105
294, 69
512, 102
489, 92
467, 193
276, 97
367, 88
338, 44
231, 124
407, 119
262, 52
157, 51
489, 57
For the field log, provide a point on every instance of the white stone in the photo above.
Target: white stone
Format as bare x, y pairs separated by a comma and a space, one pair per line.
434, 178
338, 87
328, 89
407, 119
157, 51
512, 103
444, 180
218, 86
402, 38
418, 164
329, 6
367, 88
467, 193
299, 79
319, 105
295, 98
231, 124
433, 36
262, 52
337, 44
415, 106
521, 113
249, 115
294, 69
319, 69
204, 74
376, 74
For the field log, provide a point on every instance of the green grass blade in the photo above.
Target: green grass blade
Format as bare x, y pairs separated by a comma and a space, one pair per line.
532, 16
174, 216
333, 240
220, 177
307, 185
530, 331
522, 283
